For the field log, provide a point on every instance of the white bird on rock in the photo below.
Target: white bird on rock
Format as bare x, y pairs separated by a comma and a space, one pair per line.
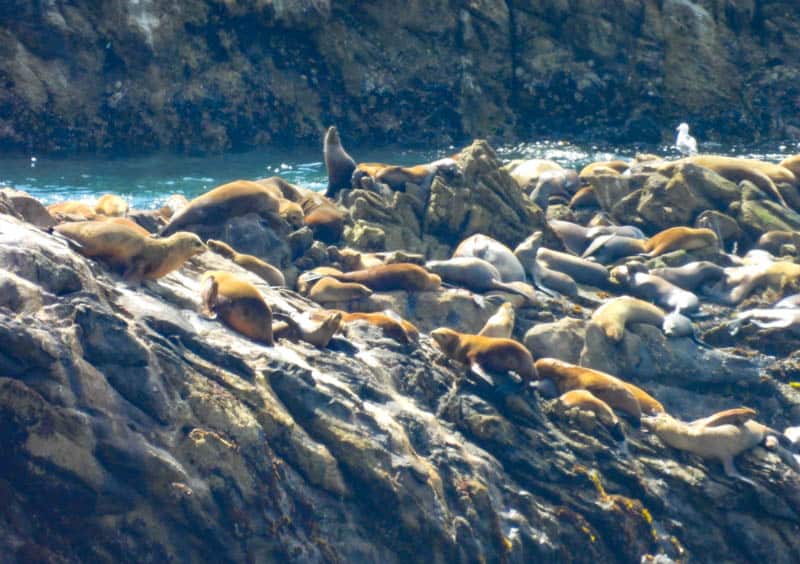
685, 143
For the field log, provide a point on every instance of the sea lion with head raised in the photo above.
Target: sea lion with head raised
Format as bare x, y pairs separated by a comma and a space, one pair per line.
475, 274
495, 253
617, 393
260, 268
486, 354
111, 205
236, 198
501, 324
138, 256
615, 314
238, 304
339, 164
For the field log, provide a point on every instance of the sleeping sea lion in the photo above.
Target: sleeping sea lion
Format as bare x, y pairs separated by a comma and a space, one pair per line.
111, 205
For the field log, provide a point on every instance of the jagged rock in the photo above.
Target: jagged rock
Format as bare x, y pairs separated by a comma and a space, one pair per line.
29, 208
759, 216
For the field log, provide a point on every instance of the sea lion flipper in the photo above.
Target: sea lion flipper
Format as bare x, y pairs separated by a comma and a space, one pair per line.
209, 292
735, 416
479, 371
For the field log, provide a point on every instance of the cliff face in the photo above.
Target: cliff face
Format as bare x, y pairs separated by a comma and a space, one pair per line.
205, 75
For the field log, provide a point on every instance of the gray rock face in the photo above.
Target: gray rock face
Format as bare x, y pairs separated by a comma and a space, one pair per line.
209, 75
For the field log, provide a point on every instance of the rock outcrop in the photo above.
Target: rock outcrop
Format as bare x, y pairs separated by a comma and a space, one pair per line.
212, 75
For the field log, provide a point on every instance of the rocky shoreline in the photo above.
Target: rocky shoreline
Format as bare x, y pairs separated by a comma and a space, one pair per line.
136, 427
210, 76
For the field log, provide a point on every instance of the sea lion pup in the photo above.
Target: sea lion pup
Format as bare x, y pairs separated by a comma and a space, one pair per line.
501, 324
329, 289
547, 280
391, 324
615, 167
291, 213
721, 436
680, 238
111, 205
139, 257
692, 275
474, 274
617, 393
238, 304
774, 241
388, 277
581, 270
260, 268
72, 211
173, 205
485, 355
339, 164
495, 253
763, 174
635, 278
239, 197
584, 400
615, 314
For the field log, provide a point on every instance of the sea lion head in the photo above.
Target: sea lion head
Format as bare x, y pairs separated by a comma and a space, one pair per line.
434, 282
189, 243
446, 339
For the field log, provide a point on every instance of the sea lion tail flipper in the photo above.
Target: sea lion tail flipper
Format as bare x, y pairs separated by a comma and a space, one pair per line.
597, 244
479, 371
208, 293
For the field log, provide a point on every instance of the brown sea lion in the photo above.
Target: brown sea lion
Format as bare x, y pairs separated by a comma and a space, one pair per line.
339, 164
615, 167
286, 189
486, 354
393, 326
238, 304
585, 400
291, 213
680, 238
617, 393
584, 198
72, 211
774, 241
128, 222
264, 270
329, 289
316, 327
140, 257
111, 205
388, 277
501, 324
615, 314
236, 198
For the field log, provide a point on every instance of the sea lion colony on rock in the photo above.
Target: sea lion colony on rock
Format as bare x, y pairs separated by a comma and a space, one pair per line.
357, 276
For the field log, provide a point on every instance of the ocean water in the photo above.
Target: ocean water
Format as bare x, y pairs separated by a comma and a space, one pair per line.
147, 181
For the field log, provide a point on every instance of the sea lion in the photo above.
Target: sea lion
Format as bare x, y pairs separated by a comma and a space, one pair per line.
173, 205
422, 175
526, 172
792, 164
574, 236
740, 281
111, 205
72, 211
680, 238
581, 270
560, 184
615, 167
286, 189
763, 174
352, 259
721, 436
260, 268
609, 248
139, 257
774, 241
547, 280
392, 325
586, 197
613, 316
312, 326
584, 400
486, 354
291, 213
774, 318
475, 274
635, 278
128, 222
236, 198
389, 277
617, 393
501, 324
339, 164
692, 275
238, 304
329, 290
495, 253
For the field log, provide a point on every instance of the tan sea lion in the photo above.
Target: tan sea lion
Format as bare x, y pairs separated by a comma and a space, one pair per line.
331, 290
238, 304
286, 189
486, 354
236, 198
617, 393
393, 326
72, 211
793, 164
680, 238
388, 277
613, 316
527, 172
721, 436
339, 164
140, 257
615, 167
173, 205
292, 213
585, 400
501, 324
111, 205
264, 270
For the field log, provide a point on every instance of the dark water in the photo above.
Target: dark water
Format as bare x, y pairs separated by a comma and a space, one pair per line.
147, 181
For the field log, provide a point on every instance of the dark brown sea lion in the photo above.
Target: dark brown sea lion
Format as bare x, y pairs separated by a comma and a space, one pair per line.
238, 304
339, 164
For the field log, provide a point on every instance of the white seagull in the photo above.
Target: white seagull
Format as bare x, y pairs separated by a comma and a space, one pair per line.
685, 143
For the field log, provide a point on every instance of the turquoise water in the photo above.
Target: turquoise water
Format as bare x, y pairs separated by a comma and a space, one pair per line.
147, 181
